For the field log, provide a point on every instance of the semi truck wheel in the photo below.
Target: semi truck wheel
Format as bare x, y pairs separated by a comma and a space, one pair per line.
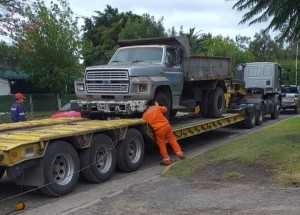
296, 109
250, 120
216, 102
130, 152
276, 112
165, 99
260, 115
60, 168
98, 162
2, 171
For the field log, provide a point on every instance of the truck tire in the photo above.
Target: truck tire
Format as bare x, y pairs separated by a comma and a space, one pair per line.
276, 112
60, 169
165, 99
260, 115
204, 109
216, 103
98, 162
250, 120
296, 109
130, 152
2, 171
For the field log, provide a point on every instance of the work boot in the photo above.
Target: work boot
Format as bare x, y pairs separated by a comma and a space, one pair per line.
182, 157
164, 164
166, 161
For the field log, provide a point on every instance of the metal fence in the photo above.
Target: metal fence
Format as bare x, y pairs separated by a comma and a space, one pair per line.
35, 103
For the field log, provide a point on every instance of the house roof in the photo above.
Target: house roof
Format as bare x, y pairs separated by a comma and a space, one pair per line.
9, 74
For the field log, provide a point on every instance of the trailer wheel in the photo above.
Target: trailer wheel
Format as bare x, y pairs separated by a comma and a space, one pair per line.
2, 171
216, 102
130, 152
98, 162
60, 168
260, 116
165, 99
250, 120
276, 112
204, 109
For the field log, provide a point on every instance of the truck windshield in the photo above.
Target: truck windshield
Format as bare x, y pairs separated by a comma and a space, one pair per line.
138, 54
289, 90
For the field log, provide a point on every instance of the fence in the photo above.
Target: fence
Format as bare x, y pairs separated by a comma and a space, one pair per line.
34, 104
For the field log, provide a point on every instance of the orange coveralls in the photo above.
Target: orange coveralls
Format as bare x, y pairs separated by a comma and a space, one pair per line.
163, 131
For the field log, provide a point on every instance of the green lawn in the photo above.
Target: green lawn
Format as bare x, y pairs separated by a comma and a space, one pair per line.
276, 147
34, 115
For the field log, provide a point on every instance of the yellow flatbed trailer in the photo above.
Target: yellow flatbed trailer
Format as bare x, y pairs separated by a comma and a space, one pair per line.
50, 153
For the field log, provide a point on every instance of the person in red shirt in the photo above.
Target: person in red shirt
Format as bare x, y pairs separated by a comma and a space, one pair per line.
154, 115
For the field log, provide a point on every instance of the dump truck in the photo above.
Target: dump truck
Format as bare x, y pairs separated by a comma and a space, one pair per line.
161, 69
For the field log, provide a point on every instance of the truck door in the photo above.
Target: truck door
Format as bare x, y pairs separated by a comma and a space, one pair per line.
173, 72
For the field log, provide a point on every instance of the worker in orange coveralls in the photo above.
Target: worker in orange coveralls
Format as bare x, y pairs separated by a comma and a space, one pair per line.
163, 131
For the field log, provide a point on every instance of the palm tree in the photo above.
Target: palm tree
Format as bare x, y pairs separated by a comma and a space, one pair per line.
284, 15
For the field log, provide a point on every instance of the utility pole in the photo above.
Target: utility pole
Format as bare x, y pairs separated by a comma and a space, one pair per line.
297, 62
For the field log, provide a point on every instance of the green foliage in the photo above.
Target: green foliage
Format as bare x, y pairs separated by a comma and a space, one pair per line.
102, 32
51, 46
284, 15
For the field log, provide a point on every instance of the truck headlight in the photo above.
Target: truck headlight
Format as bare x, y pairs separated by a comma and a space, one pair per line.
296, 98
143, 88
80, 87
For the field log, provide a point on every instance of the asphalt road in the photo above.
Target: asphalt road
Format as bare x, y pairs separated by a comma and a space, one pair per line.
86, 194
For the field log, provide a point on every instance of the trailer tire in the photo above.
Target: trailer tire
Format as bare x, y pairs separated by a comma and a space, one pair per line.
204, 109
2, 171
98, 162
60, 169
130, 151
216, 102
276, 112
164, 99
250, 120
260, 116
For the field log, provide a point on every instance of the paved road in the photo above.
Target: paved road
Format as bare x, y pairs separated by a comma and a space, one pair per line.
87, 194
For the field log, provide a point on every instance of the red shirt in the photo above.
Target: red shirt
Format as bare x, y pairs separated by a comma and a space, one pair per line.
154, 115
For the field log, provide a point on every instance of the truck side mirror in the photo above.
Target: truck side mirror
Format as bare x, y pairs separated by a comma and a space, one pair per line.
179, 56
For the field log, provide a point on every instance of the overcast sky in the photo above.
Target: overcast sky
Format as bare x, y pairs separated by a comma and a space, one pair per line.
208, 16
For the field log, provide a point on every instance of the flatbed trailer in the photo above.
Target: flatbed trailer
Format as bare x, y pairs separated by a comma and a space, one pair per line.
50, 153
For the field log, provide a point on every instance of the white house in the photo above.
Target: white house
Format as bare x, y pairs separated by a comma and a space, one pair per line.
4, 87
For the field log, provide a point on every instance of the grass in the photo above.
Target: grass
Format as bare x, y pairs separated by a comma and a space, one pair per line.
276, 147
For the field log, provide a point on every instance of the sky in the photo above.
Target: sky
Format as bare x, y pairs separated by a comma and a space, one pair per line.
207, 16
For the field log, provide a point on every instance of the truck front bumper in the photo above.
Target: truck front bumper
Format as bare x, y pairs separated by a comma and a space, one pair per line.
110, 107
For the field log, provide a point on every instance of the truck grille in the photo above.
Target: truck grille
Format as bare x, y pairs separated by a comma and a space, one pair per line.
105, 88
93, 75
106, 81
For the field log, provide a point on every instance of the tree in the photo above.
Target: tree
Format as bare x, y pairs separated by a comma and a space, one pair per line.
284, 15
51, 46
263, 47
102, 32
10, 13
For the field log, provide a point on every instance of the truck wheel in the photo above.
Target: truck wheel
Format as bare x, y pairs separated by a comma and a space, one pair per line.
130, 152
60, 168
296, 109
216, 103
204, 109
276, 112
260, 116
98, 162
165, 99
2, 171
250, 120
